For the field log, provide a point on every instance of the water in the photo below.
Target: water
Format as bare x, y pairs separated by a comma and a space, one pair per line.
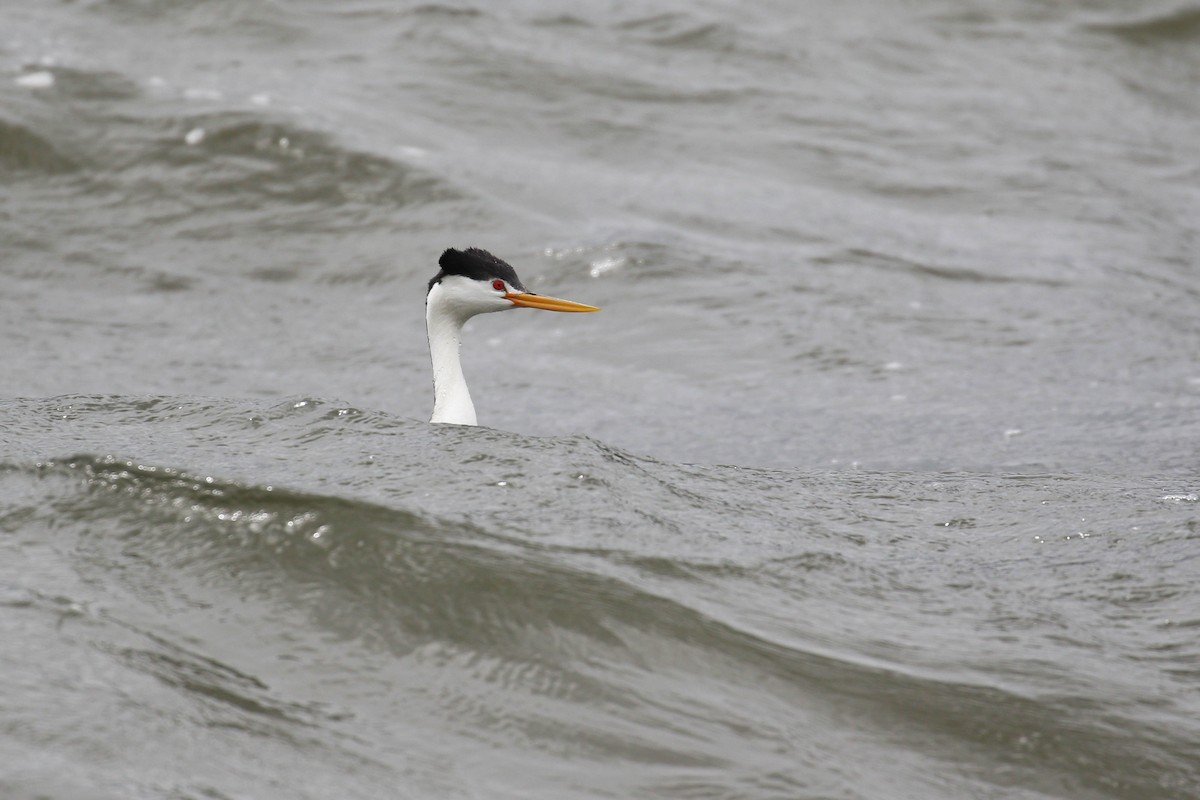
875, 478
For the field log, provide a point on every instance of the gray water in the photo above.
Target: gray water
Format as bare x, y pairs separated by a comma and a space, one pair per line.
875, 478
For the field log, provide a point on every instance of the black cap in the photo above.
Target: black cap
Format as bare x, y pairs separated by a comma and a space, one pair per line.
478, 265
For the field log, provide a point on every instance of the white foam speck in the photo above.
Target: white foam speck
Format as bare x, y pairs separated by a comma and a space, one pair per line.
36, 80
606, 265
261, 99
1180, 498
194, 136
892, 366
202, 94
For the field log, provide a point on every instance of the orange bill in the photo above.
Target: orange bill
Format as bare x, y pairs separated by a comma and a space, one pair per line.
530, 300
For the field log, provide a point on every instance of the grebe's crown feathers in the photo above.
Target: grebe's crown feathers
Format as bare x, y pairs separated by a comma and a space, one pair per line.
478, 265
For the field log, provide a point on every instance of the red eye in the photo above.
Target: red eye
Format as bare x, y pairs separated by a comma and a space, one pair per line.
498, 286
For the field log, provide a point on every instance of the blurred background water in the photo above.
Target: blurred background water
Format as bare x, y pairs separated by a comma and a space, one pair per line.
876, 477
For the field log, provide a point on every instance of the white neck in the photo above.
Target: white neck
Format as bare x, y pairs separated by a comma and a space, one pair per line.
451, 399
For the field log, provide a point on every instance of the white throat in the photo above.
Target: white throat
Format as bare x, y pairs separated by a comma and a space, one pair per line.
450, 303
451, 398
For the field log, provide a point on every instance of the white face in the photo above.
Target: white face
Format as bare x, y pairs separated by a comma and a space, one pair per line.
463, 298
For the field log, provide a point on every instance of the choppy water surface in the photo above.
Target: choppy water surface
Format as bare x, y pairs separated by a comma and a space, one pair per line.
876, 477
